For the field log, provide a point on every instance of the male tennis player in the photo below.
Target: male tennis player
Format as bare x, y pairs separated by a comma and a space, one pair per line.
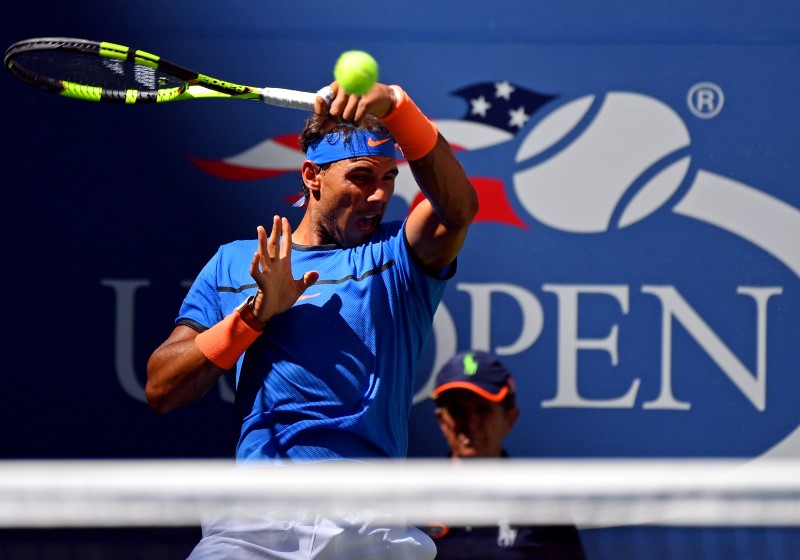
326, 323
476, 409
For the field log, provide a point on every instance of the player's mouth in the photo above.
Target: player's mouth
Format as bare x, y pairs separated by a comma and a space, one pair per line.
367, 224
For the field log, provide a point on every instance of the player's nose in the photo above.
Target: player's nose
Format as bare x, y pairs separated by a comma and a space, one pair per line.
380, 194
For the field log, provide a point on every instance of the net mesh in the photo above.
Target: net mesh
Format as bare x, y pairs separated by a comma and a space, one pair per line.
588, 493
153, 510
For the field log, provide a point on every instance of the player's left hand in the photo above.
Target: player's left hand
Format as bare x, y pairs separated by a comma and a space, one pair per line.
271, 268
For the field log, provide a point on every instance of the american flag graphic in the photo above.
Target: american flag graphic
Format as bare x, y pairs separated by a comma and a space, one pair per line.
496, 112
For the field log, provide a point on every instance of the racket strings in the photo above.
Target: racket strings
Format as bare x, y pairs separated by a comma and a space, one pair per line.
111, 75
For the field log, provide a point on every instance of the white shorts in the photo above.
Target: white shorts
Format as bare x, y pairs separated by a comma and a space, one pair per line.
354, 536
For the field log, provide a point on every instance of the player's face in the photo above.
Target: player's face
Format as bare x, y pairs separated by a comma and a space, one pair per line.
472, 425
353, 196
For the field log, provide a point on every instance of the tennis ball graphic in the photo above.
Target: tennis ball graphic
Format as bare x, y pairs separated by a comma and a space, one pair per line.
356, 72
627, 144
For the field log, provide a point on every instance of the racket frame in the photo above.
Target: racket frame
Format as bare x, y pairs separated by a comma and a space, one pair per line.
194, 84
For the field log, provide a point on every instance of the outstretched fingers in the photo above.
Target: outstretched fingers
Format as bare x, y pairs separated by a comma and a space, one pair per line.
286, 241
271, 268
267, 248
259, 255
308, 280
272, 242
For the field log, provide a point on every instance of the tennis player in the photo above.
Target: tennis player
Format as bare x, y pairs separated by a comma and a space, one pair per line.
325, 324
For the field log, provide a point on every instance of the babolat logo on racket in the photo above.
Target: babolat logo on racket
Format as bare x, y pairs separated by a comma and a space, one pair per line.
222, 85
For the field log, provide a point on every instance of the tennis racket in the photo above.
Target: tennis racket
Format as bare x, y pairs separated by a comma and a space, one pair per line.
107, 72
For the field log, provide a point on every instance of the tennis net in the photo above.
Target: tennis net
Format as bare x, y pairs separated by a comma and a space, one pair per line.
588, 493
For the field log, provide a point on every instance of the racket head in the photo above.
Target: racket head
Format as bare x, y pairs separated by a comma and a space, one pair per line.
109, 72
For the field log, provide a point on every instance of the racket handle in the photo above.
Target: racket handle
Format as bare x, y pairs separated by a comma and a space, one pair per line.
294, 99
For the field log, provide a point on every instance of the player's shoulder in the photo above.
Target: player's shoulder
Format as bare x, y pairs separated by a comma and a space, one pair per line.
238, 248
389, 230
238, 244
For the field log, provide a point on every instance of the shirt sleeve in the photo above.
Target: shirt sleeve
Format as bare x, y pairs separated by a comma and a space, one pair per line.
201, 308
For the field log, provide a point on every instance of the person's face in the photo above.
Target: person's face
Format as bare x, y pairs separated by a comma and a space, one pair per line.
472, 425
350, 198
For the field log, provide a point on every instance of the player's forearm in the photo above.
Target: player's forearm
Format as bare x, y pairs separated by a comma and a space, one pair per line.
433, 162
178, 374
445, 184
187, 365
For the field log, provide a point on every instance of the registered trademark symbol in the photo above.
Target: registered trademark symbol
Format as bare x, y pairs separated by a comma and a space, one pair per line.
705, 100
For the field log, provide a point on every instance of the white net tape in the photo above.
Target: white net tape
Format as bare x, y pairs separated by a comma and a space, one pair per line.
588, 493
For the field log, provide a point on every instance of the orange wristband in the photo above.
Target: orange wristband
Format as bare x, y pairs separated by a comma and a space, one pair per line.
414, 133
223, 343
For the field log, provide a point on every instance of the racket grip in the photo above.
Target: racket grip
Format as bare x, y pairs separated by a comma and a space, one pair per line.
294, 99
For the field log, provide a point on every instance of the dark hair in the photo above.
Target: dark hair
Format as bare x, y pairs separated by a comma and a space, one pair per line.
510, 401
312, 131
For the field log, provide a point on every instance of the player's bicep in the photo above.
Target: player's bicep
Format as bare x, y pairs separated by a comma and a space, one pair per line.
437, 227
434, 244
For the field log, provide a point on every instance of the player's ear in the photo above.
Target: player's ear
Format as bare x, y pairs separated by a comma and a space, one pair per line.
439, 413
512, 415
310, 172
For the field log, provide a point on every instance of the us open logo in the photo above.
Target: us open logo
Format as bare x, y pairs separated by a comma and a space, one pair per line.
652, 297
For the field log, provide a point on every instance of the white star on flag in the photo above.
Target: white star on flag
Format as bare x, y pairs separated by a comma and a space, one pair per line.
518, 117
503, 90
480, 106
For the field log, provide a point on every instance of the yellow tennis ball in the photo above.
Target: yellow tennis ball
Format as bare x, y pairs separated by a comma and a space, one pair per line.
356, 72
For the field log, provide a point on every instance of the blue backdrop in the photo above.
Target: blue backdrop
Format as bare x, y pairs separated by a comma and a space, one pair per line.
635, 262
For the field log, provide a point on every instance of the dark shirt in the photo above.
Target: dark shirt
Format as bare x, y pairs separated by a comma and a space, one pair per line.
504, 541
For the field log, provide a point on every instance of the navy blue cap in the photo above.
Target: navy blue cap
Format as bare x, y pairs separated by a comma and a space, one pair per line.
476, 371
